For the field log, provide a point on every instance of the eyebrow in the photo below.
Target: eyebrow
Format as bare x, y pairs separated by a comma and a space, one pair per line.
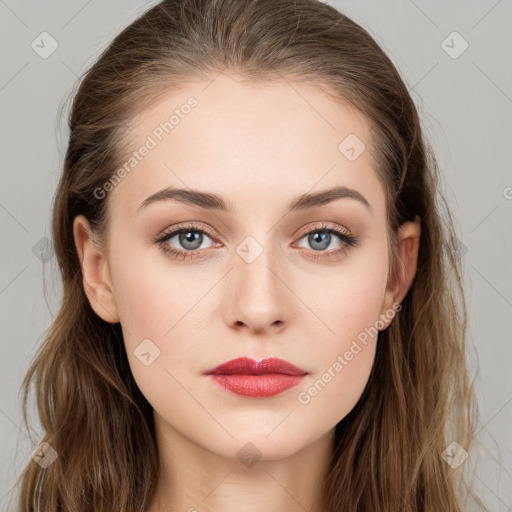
212, 201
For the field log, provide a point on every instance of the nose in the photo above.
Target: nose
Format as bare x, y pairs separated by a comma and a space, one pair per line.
256, 296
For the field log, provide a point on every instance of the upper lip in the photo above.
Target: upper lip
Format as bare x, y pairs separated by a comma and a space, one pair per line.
247, 366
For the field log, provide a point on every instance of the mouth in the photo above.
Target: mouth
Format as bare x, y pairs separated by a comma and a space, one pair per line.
250, 378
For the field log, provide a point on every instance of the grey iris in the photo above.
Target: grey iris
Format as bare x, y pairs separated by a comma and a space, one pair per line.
192, 237
313, 238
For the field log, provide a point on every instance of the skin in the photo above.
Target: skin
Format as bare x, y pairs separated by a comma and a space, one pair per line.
259, 148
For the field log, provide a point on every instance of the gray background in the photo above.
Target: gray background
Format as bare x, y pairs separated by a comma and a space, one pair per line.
466, 105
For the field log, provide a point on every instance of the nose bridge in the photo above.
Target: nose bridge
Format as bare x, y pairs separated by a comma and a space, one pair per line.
257, 293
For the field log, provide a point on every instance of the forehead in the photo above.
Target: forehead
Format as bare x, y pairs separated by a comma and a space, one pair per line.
249, 143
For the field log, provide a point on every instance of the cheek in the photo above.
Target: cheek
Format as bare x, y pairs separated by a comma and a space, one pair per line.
348, 298
141, 302
150, 296
149, 306
159, 303
344, 361
348, 302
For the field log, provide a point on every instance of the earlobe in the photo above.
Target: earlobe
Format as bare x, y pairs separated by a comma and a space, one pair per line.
408, 243
96, 277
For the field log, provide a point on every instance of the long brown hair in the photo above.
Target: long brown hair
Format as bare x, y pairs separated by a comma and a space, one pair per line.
389, 449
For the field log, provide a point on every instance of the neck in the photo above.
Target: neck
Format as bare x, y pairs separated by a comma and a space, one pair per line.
195, 479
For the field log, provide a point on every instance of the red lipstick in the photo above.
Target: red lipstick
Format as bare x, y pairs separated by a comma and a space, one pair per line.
247, 377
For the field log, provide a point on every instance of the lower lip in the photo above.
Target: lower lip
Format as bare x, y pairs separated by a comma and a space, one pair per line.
257, 385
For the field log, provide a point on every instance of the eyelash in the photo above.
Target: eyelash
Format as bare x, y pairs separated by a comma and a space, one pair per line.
349, 241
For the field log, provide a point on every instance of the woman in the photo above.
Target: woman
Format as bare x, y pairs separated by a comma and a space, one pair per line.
262, 305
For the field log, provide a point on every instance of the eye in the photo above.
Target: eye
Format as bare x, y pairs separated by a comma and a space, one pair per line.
320, 238
189, 237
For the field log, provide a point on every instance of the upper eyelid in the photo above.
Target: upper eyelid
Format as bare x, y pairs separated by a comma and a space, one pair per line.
324, 226
176, 230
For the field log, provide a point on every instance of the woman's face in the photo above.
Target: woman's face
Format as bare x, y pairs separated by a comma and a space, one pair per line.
252, 276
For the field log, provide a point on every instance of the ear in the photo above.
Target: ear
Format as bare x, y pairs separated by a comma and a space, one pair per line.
408, 243
96, 277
